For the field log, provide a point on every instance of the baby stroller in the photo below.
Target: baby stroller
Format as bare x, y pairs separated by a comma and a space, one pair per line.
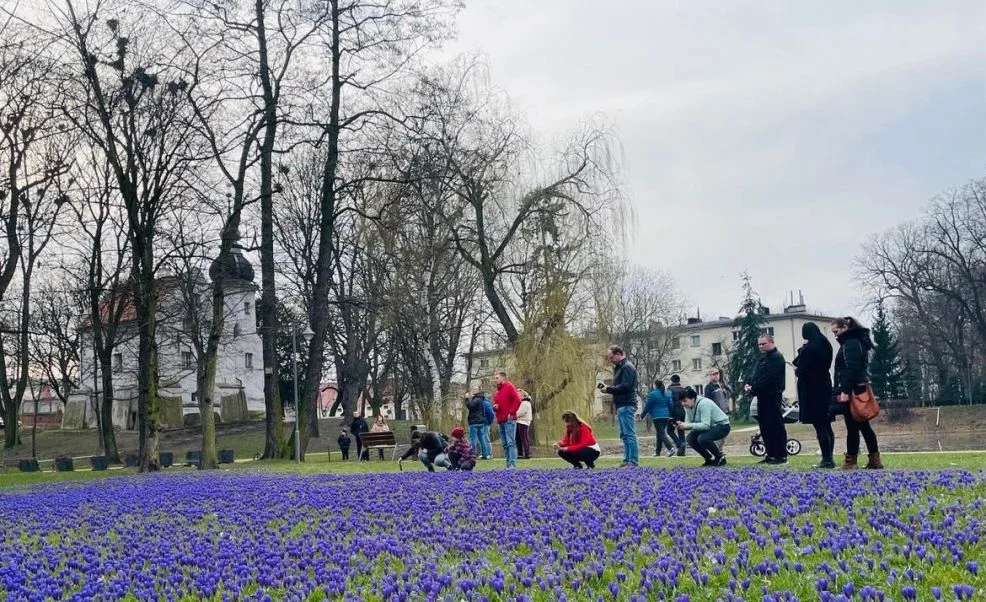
791, 413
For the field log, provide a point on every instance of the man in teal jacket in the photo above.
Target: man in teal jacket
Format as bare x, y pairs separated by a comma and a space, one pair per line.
707, 423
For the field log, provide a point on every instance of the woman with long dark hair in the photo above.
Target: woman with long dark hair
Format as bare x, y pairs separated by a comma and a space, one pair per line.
852, 364
579, 445
811, 368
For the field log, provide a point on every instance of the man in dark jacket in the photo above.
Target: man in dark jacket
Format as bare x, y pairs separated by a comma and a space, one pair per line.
767, 385
357, 427
429, 448
624, 392
677, 415
479, 436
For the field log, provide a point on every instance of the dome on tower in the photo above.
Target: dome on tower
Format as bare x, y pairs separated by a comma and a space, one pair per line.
236, 268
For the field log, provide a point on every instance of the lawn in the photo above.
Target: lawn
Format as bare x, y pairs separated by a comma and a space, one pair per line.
668, 530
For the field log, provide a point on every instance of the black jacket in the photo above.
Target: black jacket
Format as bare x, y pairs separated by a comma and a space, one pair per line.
811, 367
358, 426
852, 362
770, 377
344, 441
475, 406
430, 442
624, 387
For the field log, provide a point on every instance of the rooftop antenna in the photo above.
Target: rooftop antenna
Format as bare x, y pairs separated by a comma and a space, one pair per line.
801, 297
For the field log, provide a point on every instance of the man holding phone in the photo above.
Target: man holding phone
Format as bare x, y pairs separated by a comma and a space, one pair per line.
624, 392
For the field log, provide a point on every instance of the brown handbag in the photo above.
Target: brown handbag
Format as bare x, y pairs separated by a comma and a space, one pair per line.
864, 406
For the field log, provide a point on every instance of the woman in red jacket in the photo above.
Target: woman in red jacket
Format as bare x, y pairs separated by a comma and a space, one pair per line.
579, 445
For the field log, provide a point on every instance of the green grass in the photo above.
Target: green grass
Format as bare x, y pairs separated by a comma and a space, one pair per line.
319, 464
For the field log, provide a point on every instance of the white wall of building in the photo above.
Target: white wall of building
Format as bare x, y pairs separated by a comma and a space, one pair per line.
176, 358
696, 360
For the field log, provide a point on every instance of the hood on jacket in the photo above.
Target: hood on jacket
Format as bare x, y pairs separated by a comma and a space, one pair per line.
860, 333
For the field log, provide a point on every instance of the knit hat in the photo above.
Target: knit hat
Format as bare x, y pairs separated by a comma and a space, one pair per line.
458, 432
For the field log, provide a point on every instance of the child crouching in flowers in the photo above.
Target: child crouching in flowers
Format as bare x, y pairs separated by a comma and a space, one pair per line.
579, 445
460, 454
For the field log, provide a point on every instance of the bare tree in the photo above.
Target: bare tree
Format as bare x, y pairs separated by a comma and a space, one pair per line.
646, 317
367, 44
934, 270
34, 158
131, 104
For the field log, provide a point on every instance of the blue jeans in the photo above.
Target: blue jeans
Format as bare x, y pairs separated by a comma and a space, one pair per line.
508, 437
481, 432
626, 416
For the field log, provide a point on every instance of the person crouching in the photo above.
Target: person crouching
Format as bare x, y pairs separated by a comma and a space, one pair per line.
459, 451
579, 445
707, 423
429, 448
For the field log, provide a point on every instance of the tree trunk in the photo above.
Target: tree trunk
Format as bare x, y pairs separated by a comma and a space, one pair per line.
319, 317
147, 402
206, 382
274, 446
106, 411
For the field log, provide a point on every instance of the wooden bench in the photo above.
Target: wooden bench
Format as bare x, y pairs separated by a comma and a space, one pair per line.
382, 440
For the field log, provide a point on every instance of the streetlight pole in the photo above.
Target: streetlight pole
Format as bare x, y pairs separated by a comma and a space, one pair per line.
297, 406
308, 334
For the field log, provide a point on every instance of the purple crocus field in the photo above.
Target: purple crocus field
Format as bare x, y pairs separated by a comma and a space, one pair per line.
647, 534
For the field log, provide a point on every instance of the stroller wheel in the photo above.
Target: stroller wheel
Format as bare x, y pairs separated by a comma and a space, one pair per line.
758, 449
793, 447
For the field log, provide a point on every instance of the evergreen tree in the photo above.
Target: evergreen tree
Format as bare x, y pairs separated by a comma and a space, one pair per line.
886, 370
745, 353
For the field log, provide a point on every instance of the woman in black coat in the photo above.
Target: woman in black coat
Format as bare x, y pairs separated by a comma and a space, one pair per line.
852, 372
811, 367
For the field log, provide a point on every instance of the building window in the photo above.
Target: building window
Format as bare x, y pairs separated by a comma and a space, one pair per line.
676, 343
716, 349
736, 334
117, 362
186, 359
696, 340
769, 331
246, 308
483, 364
248, 361
236, 330
676, 365
697, 363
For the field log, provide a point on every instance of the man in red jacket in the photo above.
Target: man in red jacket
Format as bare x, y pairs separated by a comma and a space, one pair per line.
506, 402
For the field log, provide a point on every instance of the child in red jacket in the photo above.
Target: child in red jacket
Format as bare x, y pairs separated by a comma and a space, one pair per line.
579, 445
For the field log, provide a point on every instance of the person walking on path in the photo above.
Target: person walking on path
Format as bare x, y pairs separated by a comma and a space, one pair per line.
707, 424
479, 432
767, 385
657, 408
677, 414
811, 368
524, 416
852, 364
578, 446
506, 403
357, 427
624, 392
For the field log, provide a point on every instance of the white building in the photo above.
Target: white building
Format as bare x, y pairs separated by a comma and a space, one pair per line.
239, 374
699, 346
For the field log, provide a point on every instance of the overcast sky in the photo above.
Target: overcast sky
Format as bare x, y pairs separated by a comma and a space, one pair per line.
770, 137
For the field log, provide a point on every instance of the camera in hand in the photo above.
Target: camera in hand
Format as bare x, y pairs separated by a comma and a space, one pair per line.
600, 386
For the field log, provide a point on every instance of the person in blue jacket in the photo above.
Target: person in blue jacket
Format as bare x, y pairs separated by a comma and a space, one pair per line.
657, 407
485, 435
